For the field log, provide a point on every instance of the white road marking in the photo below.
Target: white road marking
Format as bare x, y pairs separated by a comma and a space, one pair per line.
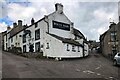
110, 77
98, 74
98, 67
77, 70
89, 72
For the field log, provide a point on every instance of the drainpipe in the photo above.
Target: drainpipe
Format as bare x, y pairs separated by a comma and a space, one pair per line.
46, 20
83, 50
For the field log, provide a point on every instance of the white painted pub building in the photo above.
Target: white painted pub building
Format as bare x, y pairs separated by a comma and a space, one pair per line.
54, 35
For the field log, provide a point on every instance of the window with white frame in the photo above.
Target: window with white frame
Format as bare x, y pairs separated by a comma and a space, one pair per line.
78, 48
11, 39
68, 47
24, 38
47, 46
37, 47
37, 34
73, 48
24, 48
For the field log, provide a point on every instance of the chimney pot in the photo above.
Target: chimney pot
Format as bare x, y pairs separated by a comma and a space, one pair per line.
8, 28
14, 25
32, 21
59, 7
112, 24
20, 23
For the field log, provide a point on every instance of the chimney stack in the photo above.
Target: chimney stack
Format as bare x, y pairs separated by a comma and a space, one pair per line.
14, 25
20, 23
59, 8
8, 28
32, 21
119, 11
112, 24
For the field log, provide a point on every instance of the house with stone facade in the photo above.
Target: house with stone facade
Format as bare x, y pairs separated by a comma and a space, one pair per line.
110, 40
54, 35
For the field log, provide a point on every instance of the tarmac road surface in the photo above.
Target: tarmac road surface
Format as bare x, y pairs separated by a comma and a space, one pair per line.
94, 66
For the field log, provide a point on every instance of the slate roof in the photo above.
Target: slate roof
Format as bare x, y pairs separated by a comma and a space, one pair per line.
78, 33
18, 29
66, 40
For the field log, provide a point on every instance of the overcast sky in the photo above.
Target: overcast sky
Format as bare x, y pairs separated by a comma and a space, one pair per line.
89, 16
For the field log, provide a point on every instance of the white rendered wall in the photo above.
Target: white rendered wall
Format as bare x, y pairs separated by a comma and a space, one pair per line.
86, 48
60, 18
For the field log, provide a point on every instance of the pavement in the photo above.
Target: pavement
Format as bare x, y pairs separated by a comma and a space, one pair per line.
93, 66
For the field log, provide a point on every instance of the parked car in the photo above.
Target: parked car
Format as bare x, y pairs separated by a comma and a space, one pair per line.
116, 60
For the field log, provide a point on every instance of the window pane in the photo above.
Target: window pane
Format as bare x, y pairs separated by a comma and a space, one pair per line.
113, 36
68, 47
37, 34
47, 46
24, 38
37, 47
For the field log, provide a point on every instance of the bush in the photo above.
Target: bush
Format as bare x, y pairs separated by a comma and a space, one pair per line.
40, 56
15, 50
33, 55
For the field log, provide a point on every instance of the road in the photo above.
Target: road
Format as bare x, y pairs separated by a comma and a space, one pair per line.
94, 66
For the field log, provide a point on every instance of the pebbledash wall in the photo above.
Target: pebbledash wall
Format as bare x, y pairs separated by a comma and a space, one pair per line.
54, 35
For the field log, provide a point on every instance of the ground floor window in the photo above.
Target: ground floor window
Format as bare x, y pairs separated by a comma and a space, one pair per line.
47, 46
73, 48
78, 48
68, 47
24, 48
37, 47
6, 46
31, 47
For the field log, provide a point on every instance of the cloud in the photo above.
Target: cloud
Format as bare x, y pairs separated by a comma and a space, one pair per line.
3, 27
2, 8
91, 18
94, 17
102, 15
17, 11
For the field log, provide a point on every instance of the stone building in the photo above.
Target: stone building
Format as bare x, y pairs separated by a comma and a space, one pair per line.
54, 35
110, 40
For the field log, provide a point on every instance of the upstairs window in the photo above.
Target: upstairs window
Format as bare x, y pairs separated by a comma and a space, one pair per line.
6, 37
113, 36
24, 38
11, 40
16, 37
37, 34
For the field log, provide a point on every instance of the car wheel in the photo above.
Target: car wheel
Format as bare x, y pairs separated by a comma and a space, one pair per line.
114, 62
